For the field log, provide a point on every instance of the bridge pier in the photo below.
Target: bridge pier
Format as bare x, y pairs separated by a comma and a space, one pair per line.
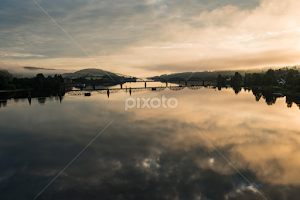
145, 84
185, 83
121, 85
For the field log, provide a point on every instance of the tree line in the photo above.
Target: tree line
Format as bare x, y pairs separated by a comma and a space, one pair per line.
286, 78
36, 83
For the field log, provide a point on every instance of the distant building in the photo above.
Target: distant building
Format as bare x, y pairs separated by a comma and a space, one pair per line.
281, 81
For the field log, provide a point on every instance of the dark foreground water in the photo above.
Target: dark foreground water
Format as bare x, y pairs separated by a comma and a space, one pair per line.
151, 153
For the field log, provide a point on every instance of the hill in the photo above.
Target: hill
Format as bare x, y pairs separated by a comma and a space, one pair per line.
206, 74
89, 72
5, 73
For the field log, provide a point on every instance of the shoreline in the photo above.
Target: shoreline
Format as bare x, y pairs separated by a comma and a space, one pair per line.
273, 89
19, 90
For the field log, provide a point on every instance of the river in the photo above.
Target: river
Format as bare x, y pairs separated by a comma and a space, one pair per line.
212, 144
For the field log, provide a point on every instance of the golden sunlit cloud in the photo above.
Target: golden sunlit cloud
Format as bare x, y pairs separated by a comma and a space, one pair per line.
155, 37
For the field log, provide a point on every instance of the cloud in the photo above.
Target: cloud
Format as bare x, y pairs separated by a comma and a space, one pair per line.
236, 60
123, 36
36, 68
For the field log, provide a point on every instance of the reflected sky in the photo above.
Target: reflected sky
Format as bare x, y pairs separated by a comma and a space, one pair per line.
150, 153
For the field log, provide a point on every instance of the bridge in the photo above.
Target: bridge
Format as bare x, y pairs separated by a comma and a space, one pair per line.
155, 79
192, 83
132, 90
178, 80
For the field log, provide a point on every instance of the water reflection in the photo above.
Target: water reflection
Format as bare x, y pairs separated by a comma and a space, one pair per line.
151, 153
3, 103
268, 96
42, 100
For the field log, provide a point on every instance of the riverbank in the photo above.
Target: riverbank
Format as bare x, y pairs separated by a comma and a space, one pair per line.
275, 89
18, 90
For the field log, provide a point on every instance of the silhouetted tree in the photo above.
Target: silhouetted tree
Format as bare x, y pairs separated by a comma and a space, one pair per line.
290, 78
257, 79
236, 80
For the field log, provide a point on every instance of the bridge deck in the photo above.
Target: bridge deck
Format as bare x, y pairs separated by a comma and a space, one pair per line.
136, 88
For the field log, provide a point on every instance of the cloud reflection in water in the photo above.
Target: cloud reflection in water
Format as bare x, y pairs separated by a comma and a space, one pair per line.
150, 153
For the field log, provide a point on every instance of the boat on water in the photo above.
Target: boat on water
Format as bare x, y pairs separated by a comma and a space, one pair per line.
87, 94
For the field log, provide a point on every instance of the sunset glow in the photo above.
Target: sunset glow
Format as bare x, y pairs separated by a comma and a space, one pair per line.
149, 37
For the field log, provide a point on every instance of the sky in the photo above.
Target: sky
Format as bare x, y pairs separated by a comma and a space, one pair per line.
149, 37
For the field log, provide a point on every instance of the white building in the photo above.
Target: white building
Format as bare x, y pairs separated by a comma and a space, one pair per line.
281, 81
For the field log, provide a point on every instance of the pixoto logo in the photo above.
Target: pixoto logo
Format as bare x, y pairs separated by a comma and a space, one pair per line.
154, 102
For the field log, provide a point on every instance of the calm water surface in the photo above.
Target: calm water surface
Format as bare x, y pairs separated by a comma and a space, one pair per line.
151, 153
